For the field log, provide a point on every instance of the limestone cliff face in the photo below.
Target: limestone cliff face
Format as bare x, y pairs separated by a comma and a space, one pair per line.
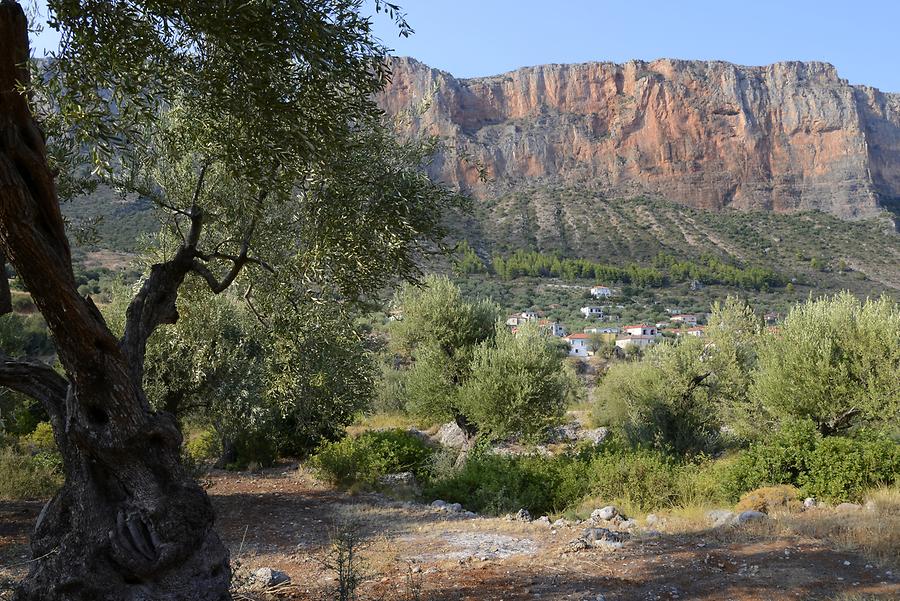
784, 137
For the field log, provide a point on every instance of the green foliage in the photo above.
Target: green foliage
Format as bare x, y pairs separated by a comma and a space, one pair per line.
497, 484
666, 401
643, 478
467, 261
26, 476
842, 468
203, 447
517, 384
363, 459
835, 361
440, 330
665, 270
831, 468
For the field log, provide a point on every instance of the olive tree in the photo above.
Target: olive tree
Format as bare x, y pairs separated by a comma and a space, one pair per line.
518, 384
441, 330
289, 184
834, 361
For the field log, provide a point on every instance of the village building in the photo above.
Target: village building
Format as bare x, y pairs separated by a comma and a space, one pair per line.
640, 341
641, 329
599, 291
579, 344
685, 318
698, 331
592, 312
553, 328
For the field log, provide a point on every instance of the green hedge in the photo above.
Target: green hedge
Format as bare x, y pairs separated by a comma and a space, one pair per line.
365, 458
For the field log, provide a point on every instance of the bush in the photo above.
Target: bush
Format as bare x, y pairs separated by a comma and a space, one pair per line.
24, 476
497, 484
203, 447
363, 459
642, 478
842, 469
831, 468
770, 499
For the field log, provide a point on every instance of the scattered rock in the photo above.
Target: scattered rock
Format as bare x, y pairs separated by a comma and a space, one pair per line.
848, 507
543, 521
399, 479
601, 538
652, 519
627, 524
604, 513
451, 435
267, 577
720, 517
447, 507
438, 504
596, 435
751, 515
809, 502
522, 516
561, 523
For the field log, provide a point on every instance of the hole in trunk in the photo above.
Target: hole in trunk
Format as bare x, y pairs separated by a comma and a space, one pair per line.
96, 415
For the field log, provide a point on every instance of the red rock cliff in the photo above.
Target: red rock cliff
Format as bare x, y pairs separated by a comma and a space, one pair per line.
783, 137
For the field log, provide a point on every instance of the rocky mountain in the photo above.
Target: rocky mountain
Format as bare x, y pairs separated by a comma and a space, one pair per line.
785, 137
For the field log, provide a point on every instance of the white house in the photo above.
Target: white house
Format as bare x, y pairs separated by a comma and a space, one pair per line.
641, 329
592, 312
554, 328
697, 331
528, 314
579, 344
685, 318
599, 330
624, 342
600, 291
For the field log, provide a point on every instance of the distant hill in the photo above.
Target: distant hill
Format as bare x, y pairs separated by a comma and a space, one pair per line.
817, 249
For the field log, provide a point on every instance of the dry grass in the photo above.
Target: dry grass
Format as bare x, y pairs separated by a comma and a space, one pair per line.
873, 532
385, 421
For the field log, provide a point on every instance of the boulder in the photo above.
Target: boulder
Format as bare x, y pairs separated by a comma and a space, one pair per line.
604, 538
604, 513
451, 435
720, 517
522, 516
543, 521
561, 523
809, 502
267, 577
751, 515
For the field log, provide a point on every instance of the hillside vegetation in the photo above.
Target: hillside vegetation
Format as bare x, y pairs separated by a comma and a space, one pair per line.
817, 249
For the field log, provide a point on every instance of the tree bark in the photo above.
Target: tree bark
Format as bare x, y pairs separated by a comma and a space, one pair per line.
129, 524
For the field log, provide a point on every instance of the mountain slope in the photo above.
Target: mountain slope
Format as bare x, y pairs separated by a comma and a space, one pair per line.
786, 137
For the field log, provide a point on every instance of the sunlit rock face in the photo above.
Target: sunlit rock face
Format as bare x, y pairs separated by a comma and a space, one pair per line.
784, 137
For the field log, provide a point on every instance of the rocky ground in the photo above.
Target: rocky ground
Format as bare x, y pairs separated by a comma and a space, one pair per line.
285, 520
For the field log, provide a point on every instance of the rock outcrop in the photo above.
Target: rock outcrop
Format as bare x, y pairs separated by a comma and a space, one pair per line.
784, 137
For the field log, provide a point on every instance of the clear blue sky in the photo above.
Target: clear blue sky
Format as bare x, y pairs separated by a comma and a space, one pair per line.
471, 38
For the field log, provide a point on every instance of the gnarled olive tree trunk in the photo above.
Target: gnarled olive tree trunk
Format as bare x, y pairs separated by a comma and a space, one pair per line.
129, 523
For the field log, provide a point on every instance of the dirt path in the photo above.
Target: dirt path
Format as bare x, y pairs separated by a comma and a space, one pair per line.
283, 519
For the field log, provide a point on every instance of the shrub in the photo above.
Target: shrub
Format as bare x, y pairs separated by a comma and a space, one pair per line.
203, 447
769, 499
497, 484
363, 459
517, 384
40, 440
24, 476
642, 478
842, 469
832, 468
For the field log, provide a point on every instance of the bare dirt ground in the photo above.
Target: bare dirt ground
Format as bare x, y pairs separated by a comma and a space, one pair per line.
283, 518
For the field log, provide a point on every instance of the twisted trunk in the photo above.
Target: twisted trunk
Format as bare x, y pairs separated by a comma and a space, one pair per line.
129, 523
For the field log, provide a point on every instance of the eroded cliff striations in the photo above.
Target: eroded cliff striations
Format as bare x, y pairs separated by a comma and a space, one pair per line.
784, 137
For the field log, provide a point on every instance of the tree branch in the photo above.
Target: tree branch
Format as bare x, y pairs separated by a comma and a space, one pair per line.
36, 380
